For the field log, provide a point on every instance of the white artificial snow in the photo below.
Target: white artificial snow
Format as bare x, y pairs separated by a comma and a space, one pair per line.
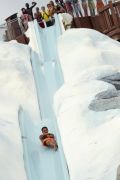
90, 139
16, 89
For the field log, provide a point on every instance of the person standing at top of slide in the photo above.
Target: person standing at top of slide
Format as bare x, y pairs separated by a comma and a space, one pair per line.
91, 6
69, 7
77, 8
99, 5
29, 9
85, 7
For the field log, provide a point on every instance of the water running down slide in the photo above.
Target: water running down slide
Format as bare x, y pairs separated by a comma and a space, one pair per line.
42, 163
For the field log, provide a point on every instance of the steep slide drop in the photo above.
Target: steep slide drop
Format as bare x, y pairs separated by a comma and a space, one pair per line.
42, 163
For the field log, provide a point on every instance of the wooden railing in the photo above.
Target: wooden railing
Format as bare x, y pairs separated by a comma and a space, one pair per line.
110, 15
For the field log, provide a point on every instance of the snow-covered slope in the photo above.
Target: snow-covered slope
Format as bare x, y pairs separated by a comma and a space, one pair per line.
89, 125
16, 88
87, 106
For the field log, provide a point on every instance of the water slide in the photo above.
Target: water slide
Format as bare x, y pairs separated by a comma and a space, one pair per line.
42, 163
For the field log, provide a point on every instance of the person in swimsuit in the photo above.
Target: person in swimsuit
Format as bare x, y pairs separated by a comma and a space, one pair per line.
48, 139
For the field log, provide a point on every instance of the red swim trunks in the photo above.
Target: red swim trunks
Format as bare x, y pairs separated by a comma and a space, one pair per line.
47, 140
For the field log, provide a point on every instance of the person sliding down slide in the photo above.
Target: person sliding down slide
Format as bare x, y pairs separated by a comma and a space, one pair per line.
48, 139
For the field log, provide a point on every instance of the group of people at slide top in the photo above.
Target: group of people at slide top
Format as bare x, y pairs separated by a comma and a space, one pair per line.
45, 15
82, 7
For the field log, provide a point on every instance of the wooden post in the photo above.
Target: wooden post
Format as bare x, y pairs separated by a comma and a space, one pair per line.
113, 13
